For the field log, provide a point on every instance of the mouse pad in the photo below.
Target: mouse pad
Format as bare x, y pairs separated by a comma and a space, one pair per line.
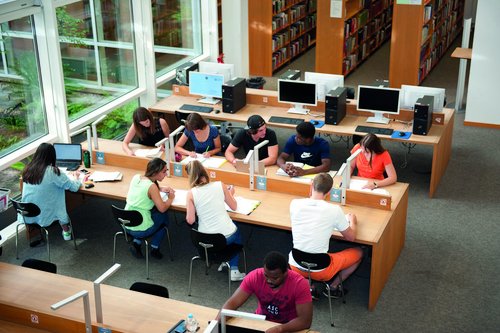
317, 123
396, 135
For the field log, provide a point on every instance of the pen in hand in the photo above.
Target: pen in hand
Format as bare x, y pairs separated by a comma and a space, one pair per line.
206, 153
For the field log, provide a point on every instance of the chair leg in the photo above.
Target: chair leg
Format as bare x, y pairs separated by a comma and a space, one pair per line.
229, 278
244, 260
329, 303
17, 238
114, 245
73, 234
169, 244
48, 242
191, 272
147, 259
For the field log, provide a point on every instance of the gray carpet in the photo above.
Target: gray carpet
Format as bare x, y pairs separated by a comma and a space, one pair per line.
444, 280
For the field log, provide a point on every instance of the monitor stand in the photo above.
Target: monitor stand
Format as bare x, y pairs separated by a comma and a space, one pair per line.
208, 100
378, 118
298, 109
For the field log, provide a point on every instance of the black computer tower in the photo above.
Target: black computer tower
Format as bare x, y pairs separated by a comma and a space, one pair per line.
234, 95
422, 118
335, 106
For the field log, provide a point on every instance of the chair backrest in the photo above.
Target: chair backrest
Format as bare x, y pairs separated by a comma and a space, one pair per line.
181, 117
210, 242
126, 218
150, 288
40, 265
26, 209
320, 260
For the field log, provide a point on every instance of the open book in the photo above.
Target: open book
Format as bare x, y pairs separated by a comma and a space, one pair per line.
210, 162
245, 206
103, 176
357, 184
281, 172
154, 152
180, 197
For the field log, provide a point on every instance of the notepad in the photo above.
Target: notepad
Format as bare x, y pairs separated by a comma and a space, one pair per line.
281, 172
103, 176
180, 197
199, 157
245, 206
210, 162
357, 184
151, 153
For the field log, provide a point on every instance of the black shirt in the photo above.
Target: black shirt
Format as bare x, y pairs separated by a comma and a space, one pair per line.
150, 139
243, 138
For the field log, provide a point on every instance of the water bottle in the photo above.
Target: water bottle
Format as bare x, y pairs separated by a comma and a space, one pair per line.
86, 158
191, 324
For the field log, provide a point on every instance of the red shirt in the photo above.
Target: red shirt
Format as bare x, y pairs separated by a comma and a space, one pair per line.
379, 161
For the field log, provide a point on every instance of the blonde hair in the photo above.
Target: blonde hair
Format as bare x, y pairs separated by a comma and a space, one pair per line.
197, 175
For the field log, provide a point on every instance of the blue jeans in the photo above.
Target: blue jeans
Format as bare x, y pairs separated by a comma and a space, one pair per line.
235, 238
160, 220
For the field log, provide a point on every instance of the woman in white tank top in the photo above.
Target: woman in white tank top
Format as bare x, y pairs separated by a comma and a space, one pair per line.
207, 200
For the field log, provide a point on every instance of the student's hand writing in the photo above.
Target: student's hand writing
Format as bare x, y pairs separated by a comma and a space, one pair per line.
230, 188
369, 185
299, 172
206, 154
162, 147
192, 154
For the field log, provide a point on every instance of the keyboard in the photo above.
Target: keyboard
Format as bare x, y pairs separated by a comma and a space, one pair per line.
70, 166
197, 108
374, 130
285, 120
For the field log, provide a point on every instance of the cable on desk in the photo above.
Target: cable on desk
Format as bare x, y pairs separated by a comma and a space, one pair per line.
409, 147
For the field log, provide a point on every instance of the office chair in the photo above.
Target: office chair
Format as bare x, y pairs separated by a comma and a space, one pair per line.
317, 261
150, 288
181, 117
40, 265
132, 218
27, 209
212, 248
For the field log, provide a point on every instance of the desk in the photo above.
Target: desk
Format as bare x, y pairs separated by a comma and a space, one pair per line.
439, 137
383, 230
25, 291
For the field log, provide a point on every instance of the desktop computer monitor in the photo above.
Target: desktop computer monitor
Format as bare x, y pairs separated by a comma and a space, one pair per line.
206, 85
298, 93
379, 101
217, 68
324, 82
410, 95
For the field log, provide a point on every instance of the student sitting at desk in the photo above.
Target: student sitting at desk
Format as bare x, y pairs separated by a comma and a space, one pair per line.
373, 161
313, 222
205, 138
307, 149
149, 130
207, 200
144, 197
254, 133
283, 295
44, 185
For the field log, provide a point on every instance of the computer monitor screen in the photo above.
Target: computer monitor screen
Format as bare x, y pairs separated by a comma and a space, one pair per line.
324, 82
299, 93
217, 68
410, 94
206, 85
378, 100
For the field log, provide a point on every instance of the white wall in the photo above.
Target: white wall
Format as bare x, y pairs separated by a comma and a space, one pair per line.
235, 35
482, 97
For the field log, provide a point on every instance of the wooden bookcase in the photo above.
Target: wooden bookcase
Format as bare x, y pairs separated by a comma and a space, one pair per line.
421, 36
278, 32
219, 23
342, 44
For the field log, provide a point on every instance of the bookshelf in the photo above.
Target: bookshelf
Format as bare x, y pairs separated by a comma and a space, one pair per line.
219, 24
421, 36
343, 43
278, 32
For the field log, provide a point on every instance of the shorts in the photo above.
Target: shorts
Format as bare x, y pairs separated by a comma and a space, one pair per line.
339, 261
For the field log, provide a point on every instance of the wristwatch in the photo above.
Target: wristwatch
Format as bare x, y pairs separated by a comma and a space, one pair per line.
375, 184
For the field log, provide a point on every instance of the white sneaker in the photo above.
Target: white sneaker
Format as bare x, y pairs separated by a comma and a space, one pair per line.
221, 267
236, 275
67, 234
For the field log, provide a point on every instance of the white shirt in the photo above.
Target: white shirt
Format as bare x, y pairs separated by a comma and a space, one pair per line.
212, 215
313, 222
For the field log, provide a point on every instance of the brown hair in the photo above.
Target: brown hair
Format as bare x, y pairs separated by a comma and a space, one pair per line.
155, 166
195, 122
197, 175
142, 114
45, 156
323, 183
372, 143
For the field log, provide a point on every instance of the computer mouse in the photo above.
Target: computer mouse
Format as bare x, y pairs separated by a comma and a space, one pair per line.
402, 133
217, 111
89, 185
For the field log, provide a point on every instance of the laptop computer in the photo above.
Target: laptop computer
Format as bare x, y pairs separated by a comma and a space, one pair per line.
68, 155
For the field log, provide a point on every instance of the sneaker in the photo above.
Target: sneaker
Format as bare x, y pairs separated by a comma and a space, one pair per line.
136, 250
236, 275
221, 267
335, 293
155, 253
67, 234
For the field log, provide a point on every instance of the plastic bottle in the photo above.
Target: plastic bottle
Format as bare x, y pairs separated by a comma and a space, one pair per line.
191, 324
86, 159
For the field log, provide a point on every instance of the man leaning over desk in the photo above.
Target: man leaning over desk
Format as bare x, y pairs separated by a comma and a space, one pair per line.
254, 133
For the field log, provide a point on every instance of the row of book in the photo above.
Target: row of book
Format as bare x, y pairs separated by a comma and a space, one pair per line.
279, 5
366, 32
301, 26
279, 21
280, 40
279, 57
284, 54
297, 12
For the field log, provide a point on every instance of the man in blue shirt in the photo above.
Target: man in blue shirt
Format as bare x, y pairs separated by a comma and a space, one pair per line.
307, 149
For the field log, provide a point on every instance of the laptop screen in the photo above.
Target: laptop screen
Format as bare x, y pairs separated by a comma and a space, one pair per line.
68, 152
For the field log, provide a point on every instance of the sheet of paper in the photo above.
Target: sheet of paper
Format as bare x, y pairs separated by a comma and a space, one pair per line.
245, 206
357, 184
281, 172
102, 176
155, 152
336, 8
180, 197
214, 162
188, 159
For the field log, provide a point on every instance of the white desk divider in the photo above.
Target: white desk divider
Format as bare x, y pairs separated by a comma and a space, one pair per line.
224, 313
97, 290
86, 307
89, 137
94, 131
249, 160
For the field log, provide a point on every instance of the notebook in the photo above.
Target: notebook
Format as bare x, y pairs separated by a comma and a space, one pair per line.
68, 155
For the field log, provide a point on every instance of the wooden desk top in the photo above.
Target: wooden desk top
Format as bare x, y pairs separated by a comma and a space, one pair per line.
346, 128
462, 53
123, 310
273, 211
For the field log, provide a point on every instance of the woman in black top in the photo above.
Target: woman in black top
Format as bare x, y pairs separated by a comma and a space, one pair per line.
148, 129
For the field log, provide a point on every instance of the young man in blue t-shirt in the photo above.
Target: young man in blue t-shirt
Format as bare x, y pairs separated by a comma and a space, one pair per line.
307, 149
